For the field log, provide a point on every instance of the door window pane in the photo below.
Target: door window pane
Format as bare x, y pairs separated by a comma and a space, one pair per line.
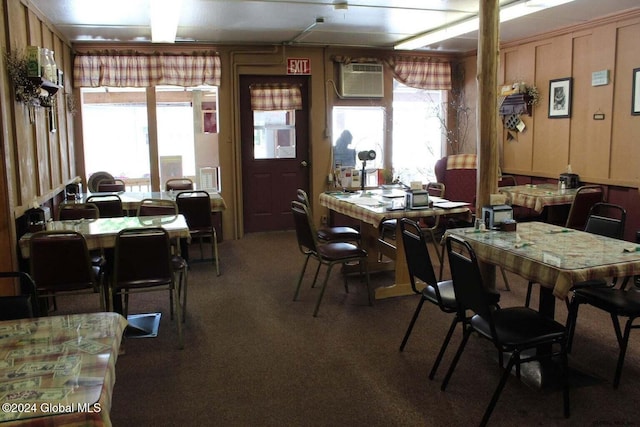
274, 134
417, 133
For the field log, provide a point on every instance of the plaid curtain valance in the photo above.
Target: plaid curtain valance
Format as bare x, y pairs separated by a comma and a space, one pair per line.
421, 73
124, 69
276, 96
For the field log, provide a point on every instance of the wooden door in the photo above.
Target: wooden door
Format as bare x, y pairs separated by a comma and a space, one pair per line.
275, 157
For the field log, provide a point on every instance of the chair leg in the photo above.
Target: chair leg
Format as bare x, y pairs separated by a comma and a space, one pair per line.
527, 299
505, 279
572, 319
413, 321
565, 379
315, 276
304, 267
214, 248
324, 286
182, 290
176, 298
443, 347
465, 337
498, 391
364, 262
623, 350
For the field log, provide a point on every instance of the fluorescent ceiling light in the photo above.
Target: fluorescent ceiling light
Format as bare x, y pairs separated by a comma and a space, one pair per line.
165, 15
472, 24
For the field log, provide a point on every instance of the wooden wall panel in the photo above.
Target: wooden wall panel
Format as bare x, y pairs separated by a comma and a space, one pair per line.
625, 143
589, 144
519, 66
551, 137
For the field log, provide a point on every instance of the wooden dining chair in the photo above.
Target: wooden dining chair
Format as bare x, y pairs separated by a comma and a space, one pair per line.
60, 265
74, 211
328, 254
523, 334
111, 185
22, 305
153, 207
585, 197
196, 208
179, 184
109, 205
143, 263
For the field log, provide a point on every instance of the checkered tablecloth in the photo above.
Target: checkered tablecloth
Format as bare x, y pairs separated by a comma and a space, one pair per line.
554, 256
101, 233
60, 370
536, 197
371, 208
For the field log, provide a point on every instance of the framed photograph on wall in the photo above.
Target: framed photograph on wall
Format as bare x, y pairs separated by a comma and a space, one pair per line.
560, 98
635, 93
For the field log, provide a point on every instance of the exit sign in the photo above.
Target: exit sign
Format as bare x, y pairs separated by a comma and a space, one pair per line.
298, 66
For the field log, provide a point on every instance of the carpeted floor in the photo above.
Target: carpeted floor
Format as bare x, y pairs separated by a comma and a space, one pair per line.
254, 357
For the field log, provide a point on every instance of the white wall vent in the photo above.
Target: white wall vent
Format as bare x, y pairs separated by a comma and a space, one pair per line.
361, 81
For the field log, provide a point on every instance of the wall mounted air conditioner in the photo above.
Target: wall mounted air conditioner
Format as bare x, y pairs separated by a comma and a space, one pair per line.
361, 81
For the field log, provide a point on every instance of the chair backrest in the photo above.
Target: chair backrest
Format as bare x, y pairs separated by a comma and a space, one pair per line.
606, 219
507, 181
436, 189
71, 211
458, 174
196, 208
303, 197
179, 184
60, 261
109, 205
111, 185
142, 257
417, 255
305, 230
25, 303
468, 285
154, 207
586, 196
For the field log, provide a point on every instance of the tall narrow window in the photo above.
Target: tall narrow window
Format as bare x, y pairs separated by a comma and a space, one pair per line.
417, 133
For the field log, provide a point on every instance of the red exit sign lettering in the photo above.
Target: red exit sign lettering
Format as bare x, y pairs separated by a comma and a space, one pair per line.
298, 66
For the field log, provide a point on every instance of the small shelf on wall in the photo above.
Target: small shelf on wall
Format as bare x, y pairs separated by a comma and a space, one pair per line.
519, 103
45, 84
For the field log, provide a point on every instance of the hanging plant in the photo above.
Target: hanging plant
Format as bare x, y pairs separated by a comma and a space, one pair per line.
534, 95
27, 91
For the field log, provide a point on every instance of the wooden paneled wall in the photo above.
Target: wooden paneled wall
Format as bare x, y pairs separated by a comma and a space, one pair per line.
36, 162
600, 151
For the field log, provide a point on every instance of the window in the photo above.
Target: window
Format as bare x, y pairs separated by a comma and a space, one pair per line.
417, 133
365, 132
116, 134
274, 134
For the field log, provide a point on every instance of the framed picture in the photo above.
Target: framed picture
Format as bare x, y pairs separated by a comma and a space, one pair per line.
560, 98
635, 93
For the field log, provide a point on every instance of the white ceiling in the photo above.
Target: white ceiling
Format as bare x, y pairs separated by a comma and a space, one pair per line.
367, 23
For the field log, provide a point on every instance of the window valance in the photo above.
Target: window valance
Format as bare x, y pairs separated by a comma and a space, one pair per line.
421, 73
275, 96
135, 69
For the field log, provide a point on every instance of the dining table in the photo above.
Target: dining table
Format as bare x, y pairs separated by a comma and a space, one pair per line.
59, 370
553, 256
370, 208
101, 233
538, 196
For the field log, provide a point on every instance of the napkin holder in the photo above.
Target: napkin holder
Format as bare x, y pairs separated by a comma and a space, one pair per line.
571, 180
495, 215
417, 199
